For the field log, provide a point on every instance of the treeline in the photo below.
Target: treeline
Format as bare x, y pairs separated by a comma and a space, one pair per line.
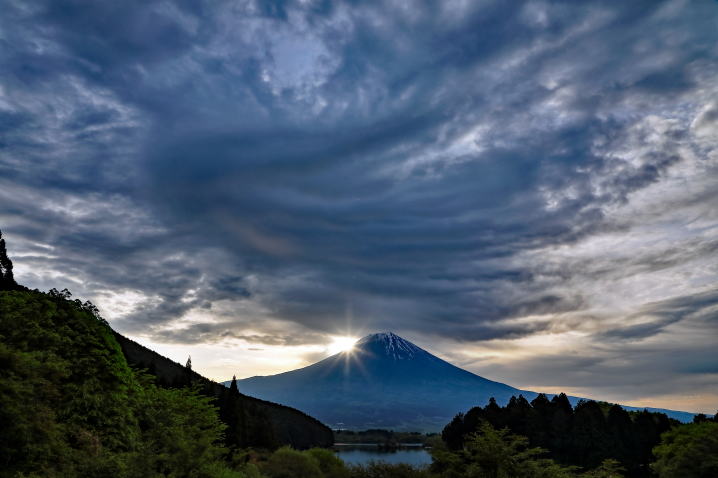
251, 422
247, 423
381, 436
686, 451
584, 436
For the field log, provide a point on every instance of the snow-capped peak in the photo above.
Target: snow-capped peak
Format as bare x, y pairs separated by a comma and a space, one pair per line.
393, 346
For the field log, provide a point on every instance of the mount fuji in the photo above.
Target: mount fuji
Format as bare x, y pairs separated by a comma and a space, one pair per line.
384, 382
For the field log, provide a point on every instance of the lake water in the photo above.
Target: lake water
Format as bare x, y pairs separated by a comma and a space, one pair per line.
363, 454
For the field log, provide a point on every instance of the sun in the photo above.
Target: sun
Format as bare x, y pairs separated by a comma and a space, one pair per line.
341, 344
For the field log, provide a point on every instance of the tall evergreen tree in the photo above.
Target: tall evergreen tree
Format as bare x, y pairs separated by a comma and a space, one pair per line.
233, 389
453, 433
590, 444
189, 363
7, 280
231, 415
622, 440
518, 413
494, 414
561, 421
539, 424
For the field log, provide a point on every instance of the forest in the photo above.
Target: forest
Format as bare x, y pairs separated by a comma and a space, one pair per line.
587, 437
78, 400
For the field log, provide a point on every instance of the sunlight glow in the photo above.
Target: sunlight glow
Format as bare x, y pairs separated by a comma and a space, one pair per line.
341, 344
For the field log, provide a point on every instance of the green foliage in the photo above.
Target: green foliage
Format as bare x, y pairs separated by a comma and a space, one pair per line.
289, 463
609, 468
329, 463
584, 437
179, 433
386, 470
688, 451
66, 393
71, 406
495, 453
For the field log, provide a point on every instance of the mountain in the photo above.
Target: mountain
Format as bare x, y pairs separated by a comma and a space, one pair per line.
386, 381
383, 382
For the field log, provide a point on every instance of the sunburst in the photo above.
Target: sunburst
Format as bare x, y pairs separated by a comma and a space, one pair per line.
341, 344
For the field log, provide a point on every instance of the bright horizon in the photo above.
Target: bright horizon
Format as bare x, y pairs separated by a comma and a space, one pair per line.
289, 361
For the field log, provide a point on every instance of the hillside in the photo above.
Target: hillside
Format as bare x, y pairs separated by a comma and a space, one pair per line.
288, 426
386, 382
71, 403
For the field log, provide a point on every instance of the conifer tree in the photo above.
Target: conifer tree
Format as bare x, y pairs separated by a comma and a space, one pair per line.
232, 415
189, 363
7, 281
453, 433
621, 435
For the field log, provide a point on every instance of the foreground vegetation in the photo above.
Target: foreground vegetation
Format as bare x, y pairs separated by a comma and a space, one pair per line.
584, 436
687, 451
71, 406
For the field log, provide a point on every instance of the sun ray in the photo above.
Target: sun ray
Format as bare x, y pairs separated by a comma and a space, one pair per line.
341, 344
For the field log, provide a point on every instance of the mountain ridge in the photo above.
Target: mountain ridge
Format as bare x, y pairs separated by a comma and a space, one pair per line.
386, 381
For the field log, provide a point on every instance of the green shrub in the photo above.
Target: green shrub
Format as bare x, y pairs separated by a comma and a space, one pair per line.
330, 464
289, 463
689, 451
386, 470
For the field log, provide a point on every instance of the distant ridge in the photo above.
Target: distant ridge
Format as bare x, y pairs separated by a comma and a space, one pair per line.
388, 382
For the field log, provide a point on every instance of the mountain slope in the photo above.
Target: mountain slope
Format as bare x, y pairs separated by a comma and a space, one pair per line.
384, 382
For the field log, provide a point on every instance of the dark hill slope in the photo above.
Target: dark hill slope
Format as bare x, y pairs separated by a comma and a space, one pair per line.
289, 426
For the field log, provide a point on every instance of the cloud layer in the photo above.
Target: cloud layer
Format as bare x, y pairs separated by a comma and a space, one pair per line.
475, 173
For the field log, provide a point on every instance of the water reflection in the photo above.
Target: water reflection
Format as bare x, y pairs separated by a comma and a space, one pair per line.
362, 454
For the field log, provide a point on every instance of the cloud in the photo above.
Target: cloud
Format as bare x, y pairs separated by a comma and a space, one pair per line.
631, 364
211, 172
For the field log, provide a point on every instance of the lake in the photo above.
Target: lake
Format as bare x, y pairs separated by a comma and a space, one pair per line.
363, 454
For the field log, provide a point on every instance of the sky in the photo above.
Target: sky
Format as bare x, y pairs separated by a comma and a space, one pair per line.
527, 189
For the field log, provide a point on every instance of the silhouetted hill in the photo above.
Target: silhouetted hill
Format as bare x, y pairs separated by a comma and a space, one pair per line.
289, 426
386, 382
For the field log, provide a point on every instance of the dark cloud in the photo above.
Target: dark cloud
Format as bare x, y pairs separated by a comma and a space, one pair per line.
625, 364
448, 170
657, 316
